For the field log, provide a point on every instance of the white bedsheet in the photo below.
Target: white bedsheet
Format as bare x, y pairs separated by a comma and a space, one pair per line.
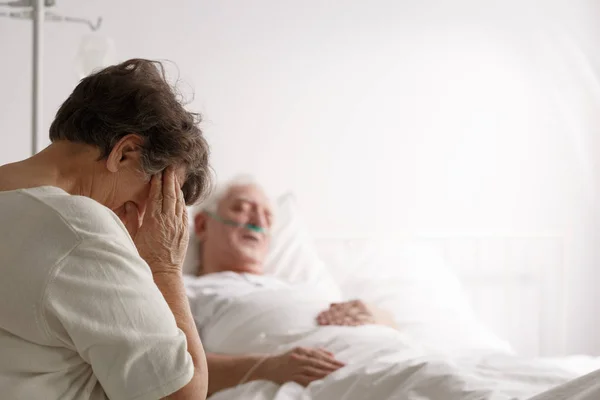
586, 387
381, 364
254, 315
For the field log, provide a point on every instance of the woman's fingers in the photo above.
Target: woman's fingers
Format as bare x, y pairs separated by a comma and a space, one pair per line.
168, 191
162, 238
180, 204
155, 195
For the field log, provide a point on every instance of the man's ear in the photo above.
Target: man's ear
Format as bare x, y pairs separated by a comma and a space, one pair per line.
200, 226
125, 153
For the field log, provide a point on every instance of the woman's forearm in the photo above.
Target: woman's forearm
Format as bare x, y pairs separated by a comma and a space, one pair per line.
171, 286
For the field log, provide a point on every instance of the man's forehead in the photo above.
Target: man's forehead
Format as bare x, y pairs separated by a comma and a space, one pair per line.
249, 193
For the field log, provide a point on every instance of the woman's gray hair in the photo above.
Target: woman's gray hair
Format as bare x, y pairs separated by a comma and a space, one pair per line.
135, 97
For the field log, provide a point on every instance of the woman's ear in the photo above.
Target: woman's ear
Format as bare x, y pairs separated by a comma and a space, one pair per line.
200, 226
126, 152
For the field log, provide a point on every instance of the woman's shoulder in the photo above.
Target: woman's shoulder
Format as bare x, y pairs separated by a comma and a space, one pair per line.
85, 217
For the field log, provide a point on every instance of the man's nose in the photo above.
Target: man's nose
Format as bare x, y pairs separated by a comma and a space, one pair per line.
258, 219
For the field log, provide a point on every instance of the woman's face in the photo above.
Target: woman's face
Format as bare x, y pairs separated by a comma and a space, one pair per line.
124, 180
130, 187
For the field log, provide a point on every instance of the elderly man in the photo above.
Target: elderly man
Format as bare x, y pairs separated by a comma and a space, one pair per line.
257, 328
233, 233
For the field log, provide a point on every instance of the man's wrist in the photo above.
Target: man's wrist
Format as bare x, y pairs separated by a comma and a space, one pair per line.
262, 369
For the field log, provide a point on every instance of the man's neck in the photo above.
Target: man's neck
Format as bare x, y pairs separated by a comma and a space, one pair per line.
209, 266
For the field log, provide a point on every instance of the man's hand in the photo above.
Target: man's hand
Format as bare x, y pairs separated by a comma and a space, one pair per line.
162, 238
349, 313
301, 365
355, 313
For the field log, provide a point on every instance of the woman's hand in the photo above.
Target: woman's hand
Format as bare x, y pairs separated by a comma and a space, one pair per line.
301, 365
162, 238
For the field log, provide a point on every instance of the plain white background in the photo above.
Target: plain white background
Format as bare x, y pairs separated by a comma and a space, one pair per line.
385, 116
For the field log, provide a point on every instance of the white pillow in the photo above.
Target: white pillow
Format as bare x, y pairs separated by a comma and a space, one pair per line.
293, 256
415, 283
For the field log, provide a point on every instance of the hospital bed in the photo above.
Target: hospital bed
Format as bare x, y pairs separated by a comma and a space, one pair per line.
488, 306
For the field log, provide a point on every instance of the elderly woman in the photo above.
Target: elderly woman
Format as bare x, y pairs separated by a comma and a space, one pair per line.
93, 236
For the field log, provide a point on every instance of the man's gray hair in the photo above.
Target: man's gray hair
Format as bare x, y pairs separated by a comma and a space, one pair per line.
212, 202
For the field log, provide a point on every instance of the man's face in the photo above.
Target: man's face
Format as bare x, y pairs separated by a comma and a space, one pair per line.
238, 247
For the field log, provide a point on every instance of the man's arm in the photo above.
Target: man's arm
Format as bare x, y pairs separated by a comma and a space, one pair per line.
227, 371
301, 365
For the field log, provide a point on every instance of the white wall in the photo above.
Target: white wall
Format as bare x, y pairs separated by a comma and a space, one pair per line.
383, 116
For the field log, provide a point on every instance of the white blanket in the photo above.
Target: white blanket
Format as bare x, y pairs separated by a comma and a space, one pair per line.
584, 388
381, 364
257, 316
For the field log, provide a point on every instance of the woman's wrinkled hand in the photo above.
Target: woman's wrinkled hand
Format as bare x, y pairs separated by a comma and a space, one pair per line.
162, 237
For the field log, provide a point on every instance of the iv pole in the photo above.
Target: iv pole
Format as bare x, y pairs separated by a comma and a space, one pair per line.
38, 14
36, 83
